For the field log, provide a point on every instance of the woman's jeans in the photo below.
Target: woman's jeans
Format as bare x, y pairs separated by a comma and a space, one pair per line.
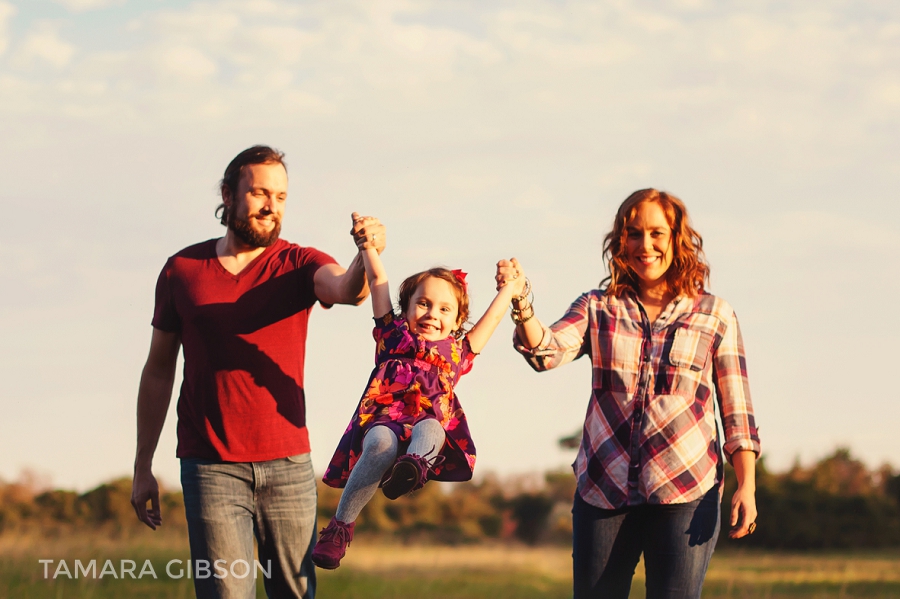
227, 504
677, 541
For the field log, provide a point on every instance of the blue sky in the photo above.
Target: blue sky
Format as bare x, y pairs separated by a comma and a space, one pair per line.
475, 131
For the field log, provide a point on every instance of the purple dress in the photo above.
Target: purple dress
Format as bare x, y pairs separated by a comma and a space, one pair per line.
413, 380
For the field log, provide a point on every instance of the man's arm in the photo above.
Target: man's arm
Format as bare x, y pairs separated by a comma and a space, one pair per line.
333, 284
154, 395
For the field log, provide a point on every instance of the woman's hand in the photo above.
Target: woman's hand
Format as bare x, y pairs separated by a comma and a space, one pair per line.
743, 512
509, 272
368, 233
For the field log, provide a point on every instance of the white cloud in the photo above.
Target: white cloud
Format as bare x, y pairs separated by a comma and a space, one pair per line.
7, 10
43, 44
86, 5
183, 63
745, 71
809, 231
800, 233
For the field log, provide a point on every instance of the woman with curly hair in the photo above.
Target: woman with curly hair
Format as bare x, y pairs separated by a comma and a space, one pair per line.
665, 353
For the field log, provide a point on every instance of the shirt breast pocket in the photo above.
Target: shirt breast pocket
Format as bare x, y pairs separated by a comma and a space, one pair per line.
690, 349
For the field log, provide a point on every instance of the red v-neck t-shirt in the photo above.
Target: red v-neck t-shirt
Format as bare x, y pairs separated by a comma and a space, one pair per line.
244, 343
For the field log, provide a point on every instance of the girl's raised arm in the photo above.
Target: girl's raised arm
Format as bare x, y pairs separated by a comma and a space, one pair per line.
484, 328
375, 273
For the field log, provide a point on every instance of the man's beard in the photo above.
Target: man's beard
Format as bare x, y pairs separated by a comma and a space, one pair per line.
253, 238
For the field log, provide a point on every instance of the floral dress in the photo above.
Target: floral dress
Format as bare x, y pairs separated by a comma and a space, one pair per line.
413, 380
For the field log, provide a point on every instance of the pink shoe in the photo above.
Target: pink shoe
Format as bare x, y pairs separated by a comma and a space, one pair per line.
410, 473
332, 545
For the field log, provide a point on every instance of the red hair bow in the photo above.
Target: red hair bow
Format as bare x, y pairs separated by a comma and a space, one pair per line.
461, 277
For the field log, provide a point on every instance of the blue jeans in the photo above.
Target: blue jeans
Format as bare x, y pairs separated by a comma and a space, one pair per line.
677, 541
227, 503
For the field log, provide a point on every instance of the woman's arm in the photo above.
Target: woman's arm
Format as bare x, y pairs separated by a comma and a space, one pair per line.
729, 374
530, 331
743, 504
729, 371
487, 324
544, 347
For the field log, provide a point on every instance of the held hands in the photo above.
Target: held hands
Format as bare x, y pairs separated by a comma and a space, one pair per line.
510, 274
368, 233
144, 488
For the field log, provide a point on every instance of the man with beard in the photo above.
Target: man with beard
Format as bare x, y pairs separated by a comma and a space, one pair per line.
239, 307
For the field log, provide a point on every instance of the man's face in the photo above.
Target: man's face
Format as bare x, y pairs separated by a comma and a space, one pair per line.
256, 211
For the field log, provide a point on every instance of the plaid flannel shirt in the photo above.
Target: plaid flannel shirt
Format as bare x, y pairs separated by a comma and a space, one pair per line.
650, 435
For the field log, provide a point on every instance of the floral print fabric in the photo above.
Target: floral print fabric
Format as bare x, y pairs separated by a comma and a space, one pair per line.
413, 380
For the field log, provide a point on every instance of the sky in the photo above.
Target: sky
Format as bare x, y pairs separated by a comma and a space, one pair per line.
475, 131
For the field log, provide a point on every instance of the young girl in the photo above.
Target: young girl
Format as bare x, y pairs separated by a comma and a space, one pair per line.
409, 403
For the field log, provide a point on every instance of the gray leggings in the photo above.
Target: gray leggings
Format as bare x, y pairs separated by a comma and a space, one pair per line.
379, 453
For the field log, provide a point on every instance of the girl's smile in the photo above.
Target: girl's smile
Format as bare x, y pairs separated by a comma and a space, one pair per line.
433, 310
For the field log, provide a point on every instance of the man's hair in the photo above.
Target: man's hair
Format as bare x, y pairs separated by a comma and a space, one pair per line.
410, 284
689, 272
232, 176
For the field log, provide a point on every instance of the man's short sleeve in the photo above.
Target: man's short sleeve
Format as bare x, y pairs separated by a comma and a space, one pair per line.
308, 262
165, 317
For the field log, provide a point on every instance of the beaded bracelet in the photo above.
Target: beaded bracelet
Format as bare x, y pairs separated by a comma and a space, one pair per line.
519, 321
518, 298
517, 317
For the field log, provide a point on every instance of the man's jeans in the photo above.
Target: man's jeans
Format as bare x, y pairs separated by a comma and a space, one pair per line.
227, 503
677, 541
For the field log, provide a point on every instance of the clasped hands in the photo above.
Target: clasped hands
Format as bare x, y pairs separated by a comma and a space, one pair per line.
368, 233
509, 272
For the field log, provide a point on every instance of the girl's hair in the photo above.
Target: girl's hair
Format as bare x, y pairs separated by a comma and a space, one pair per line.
409, 286
689, 273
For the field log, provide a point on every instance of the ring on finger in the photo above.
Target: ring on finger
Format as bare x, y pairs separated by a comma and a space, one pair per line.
751, 528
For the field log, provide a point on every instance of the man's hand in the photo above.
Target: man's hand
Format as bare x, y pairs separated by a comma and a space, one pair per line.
368, 232
144, 488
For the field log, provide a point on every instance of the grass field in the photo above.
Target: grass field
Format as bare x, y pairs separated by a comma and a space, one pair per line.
397, 571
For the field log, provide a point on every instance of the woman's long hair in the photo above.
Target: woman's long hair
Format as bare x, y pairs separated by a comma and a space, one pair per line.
689, 272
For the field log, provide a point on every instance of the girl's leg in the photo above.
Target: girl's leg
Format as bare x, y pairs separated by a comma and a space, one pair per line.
427, 438
379, 453
606, 548
411, 470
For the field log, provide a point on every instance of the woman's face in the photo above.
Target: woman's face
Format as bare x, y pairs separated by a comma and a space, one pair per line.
648, 244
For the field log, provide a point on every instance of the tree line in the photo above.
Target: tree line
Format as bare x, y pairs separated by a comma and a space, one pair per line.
836, 503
